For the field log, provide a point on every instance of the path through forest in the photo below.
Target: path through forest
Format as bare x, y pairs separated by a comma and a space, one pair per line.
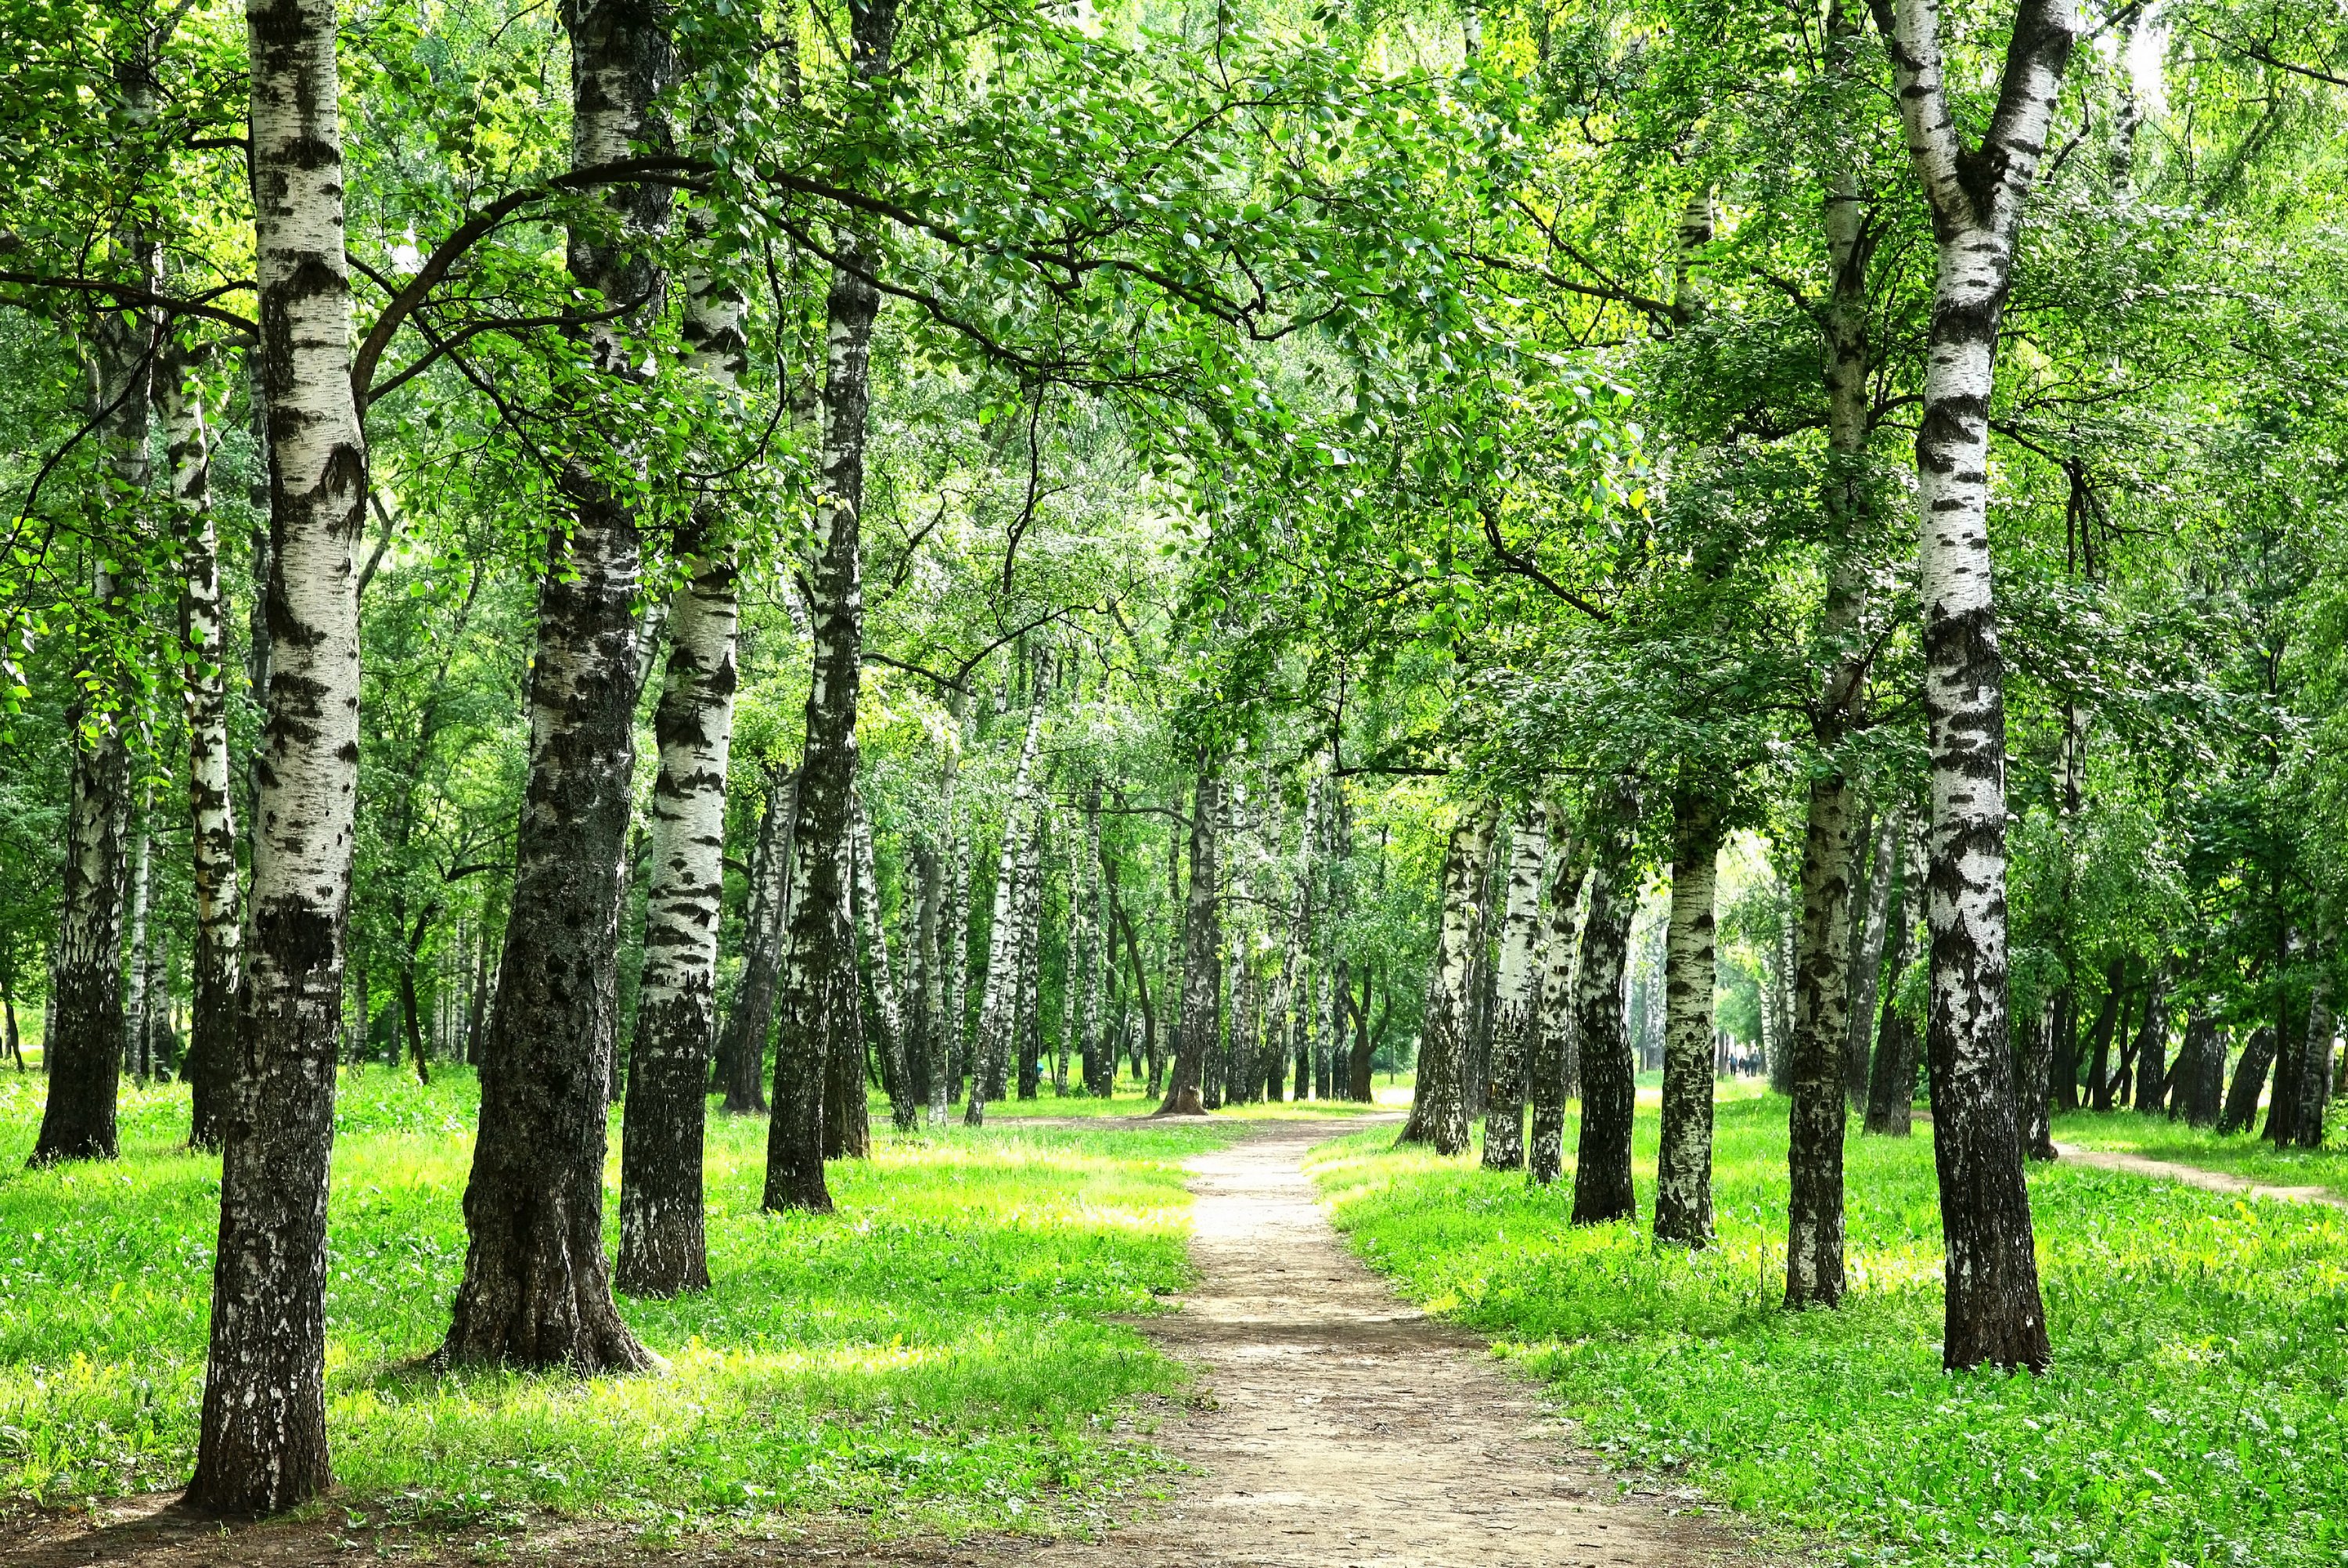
1347, 1429
2196, 1176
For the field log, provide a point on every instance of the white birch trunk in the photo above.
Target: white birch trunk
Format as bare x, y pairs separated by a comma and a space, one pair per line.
1438, 1114
998, 1003
1554, 1075
1517, 997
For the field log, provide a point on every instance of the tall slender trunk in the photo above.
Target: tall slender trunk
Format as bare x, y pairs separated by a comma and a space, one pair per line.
1201, 952
2099, 1050
2189, 1100
1518, 1019
1993, 1313
1555, 1076
1438, 1110
2152, 1044
1891, 1081
1683, 1165
663, 1247
895, 1065
1095, 1049
139, 970
1867, 954
536, 1291
2033, 1057
262, 1440
179, 401
1610, 1091
1028, 1033
1814, 1238
742, 1047
2314, 1089
998, 1004
926, 1032
82, 1052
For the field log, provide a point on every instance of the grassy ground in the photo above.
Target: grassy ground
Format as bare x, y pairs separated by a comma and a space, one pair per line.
2192, 1415
936, 1353
2244, 1155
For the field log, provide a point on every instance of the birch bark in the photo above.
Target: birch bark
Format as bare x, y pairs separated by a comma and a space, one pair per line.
1100, 1058
1517, 1018
136, 1028
1439, 1111
536, 1290
1993, 1314
212, 815
1610, 1093
662, 1248
1555, 1077
1867, 964
903, 1110
742, 1049
261, 1438
1201, 953
1683, 1164
999, 1002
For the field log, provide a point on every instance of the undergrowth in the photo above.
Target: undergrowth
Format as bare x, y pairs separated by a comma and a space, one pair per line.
936, 1353
2192, 1414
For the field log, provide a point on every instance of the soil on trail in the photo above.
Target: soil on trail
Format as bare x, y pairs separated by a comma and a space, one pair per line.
1346, 1429
2197, 1176
1336, 1427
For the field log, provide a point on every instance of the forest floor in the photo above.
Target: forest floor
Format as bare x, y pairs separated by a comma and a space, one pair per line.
2193, 1413
2202, 1157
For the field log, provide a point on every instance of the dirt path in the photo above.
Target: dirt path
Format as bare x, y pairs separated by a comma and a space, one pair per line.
1347, 1431
2197, 1176
1343, 1429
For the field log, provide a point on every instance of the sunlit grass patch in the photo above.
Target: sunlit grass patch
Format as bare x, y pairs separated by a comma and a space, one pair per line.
2191, 1417
941, 1351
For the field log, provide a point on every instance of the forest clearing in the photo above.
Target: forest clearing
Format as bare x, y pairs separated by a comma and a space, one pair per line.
1190, 781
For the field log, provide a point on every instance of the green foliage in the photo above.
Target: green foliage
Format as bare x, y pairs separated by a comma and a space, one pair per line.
2192, 1414
936, 1353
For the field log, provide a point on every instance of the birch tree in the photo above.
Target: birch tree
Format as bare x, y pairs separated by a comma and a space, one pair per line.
262, 1440
999, 1002
1202, 942
1683, 1163
1438, 1110
1993, 1315
1517, 1015
1554, 1073
1610, 1090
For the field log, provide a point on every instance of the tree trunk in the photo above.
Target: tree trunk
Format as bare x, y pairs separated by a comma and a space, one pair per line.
2034, 1053
536, 1289
928, 1026
743, 1047
1359, 1086
261, 1444
1610, 1089
212, 816
1029, 1031
1518, 1017
998, 1004
2099, 1055
1891, 1082
2152, 1044
1201, 953
813, 1015
1086, 892
138, 970
2315, 1061
1814, 1238
1993, 1313
1438, 1112
1683, 1166
895, 1062
1555, 1076
663, 1250
1867, 959
2241, 1110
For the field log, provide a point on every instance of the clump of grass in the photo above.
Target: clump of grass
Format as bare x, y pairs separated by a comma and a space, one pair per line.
938, 1353
2192, 1414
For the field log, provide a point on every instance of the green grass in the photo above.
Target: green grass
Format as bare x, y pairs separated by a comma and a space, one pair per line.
2244, 1154
937, 1353
2192, 1415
